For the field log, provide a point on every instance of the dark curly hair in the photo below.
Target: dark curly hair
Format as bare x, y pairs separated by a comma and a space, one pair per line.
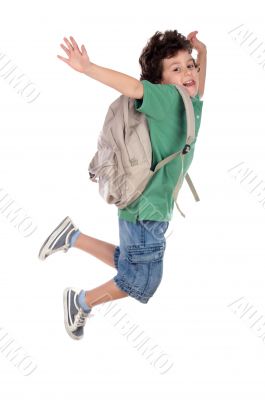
159, 46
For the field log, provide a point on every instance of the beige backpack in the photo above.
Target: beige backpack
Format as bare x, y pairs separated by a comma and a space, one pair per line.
122, 163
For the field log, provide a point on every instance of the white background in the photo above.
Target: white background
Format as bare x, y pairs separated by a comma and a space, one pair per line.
214, 256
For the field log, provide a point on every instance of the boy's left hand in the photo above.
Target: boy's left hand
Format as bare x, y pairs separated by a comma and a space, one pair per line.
197, 44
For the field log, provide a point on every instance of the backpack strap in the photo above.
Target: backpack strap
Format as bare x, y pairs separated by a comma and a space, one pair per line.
190, 134
190, 137
192, 188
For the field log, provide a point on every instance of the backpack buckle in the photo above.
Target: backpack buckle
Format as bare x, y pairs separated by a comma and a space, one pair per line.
186, 149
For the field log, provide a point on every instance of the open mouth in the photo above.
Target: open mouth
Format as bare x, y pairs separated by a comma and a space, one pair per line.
189, 83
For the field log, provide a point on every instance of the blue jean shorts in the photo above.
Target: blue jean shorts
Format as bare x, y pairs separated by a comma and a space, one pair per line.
139, 257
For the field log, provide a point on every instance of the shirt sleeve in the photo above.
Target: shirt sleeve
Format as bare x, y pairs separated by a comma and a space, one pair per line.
157, 99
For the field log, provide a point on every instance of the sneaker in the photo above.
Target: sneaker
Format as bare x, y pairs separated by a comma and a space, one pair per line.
59, 239
74, 316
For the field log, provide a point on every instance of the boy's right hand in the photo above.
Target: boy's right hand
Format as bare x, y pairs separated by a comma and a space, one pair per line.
77, 60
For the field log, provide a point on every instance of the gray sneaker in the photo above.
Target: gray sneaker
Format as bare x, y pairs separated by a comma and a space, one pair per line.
74, 316
59, 239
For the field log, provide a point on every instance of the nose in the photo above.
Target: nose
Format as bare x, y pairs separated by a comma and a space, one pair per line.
187, 70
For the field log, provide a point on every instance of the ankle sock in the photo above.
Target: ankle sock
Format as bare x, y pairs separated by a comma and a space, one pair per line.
74, 236
82, 301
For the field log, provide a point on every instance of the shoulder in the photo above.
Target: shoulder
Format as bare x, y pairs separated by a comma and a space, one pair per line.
158, 86
154, 89
156, 99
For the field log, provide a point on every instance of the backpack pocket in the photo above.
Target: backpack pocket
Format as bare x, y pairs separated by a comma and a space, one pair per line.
137, 146
111, 180
106, 166
102, 162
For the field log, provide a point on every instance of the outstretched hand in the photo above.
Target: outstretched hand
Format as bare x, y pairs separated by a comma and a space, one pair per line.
197, 44
78, 60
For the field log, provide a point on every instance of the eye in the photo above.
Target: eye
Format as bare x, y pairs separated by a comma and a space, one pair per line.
190, 66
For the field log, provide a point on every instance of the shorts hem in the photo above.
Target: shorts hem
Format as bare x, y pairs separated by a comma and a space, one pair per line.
130, 291
116, 256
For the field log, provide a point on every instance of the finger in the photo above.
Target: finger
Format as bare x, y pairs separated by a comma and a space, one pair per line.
74, 43
63, 59
190, 35
65, 49
83, 49
70, 47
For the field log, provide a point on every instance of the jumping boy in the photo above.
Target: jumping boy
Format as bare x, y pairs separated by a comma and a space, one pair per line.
165, 61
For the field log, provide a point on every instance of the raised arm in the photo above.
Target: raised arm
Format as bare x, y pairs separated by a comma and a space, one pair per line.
201, 59
125, 84
79, 61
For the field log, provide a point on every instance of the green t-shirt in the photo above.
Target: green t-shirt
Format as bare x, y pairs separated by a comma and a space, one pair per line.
166, 117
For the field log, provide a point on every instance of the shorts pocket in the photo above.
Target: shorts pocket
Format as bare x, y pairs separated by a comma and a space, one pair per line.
145, 254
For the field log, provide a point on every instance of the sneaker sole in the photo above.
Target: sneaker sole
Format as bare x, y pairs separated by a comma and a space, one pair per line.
57, 231
68, 330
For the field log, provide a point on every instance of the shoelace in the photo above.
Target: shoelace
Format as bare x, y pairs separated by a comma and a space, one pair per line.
80, 318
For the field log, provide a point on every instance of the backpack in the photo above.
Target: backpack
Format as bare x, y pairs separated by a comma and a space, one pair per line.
123, 160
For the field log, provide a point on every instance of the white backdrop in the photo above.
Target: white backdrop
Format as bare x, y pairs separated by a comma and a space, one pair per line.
205, 321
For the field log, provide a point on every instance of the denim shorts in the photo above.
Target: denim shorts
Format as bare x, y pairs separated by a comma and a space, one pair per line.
139, 257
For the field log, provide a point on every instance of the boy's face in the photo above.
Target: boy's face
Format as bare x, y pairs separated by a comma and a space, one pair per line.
180, 69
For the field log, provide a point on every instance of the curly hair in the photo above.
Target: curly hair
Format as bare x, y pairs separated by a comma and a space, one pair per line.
159, 46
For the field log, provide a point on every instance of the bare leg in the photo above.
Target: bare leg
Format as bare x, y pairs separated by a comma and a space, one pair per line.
104, 293
104, 251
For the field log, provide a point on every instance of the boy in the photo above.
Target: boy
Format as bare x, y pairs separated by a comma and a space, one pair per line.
165, 61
